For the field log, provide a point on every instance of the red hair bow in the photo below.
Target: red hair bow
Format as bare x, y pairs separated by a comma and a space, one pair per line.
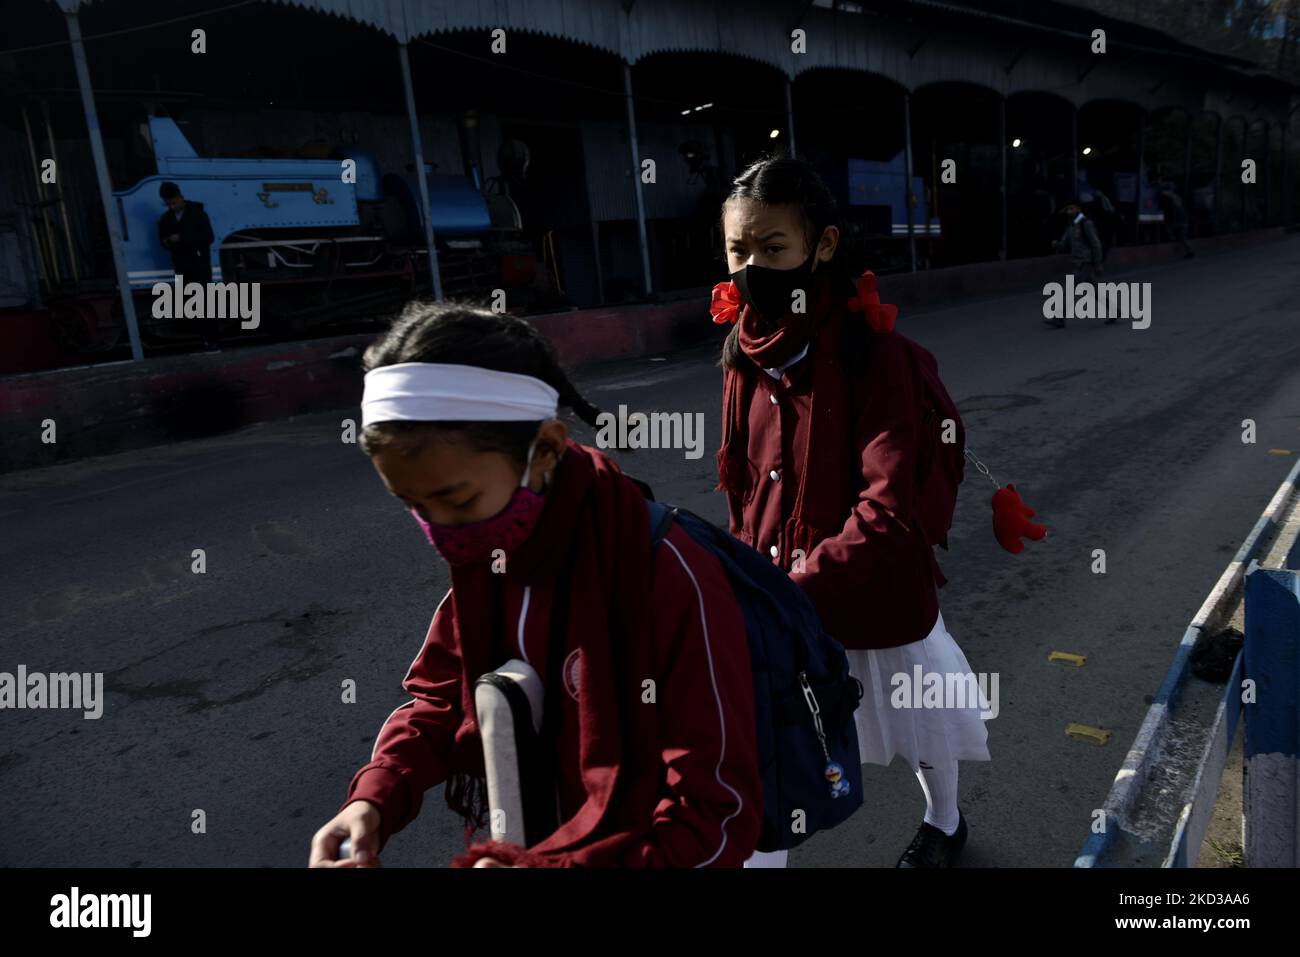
1011, 520
880, 317
725, 306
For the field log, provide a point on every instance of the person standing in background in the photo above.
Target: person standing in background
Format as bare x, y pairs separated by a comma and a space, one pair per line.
1171, 204
1081, 242
186, 232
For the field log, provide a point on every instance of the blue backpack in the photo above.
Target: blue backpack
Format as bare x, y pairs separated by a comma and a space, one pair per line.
804, 696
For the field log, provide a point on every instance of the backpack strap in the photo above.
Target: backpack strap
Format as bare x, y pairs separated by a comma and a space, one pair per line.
661, 519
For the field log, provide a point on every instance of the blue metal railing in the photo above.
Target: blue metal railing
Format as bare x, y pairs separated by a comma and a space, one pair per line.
1271, 662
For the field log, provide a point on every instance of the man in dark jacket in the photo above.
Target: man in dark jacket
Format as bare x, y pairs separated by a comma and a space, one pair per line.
1080, 240
186, 232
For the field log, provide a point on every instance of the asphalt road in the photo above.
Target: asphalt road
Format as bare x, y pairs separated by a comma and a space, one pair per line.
223, 690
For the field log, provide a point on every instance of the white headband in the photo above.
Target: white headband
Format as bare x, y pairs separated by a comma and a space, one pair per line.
439, 392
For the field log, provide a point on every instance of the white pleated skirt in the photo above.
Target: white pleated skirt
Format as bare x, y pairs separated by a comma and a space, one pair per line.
921, 701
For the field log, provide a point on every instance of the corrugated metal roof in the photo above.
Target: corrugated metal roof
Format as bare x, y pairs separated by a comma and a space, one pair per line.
592, 22
651, 26
758, 27
390, 16
760, 30
1047, 16
386, 15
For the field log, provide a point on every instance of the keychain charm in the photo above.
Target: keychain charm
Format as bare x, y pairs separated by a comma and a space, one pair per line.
835, 775
834, 772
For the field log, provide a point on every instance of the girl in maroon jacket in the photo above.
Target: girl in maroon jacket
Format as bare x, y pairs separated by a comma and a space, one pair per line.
655, 754
819, 458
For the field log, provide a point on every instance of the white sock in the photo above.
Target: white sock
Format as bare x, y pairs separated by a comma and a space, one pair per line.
767, 859
940, 787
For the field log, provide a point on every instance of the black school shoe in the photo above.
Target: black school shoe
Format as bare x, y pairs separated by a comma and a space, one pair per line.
933, 848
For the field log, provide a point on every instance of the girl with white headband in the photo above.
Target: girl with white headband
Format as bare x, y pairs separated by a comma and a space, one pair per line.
547, 542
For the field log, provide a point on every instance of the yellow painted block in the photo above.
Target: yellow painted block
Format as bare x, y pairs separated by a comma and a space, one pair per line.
1084, 732
1068, 658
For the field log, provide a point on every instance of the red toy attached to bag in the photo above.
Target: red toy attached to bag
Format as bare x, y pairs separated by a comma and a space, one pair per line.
944, 452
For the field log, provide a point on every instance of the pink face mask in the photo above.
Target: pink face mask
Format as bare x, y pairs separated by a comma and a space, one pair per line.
476, 541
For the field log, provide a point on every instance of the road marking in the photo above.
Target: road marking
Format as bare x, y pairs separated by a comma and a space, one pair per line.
1085, 732
1068, 658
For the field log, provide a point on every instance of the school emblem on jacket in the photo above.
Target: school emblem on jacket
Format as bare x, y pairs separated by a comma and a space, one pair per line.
572, 666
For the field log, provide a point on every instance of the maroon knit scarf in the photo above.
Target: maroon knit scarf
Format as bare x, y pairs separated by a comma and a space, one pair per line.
829, 429
595, 522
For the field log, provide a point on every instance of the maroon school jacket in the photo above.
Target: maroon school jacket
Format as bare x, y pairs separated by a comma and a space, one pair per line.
710, 808
874, 583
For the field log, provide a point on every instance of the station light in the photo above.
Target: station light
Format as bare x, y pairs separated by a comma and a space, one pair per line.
1015, 144
774, 134
1087, 150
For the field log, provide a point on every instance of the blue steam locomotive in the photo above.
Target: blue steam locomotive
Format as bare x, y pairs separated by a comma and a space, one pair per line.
323, 237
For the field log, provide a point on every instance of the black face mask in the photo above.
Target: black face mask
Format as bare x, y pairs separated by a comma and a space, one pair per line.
771, 291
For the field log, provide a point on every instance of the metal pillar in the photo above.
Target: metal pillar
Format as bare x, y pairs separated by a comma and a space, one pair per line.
1137, 194
1002, 151
907, 175
1287, 185
420, 176
789, 114
1288, 175
1268, 165
1268, 161
1245, 149
595, 248
1218, 175
101, 173
58, 191
44, 237
636, 177
1074, 155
